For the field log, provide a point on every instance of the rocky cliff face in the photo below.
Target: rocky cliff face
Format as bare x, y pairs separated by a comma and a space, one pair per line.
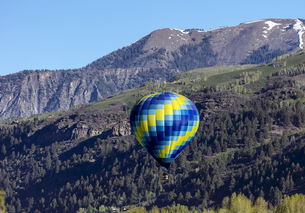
158, 56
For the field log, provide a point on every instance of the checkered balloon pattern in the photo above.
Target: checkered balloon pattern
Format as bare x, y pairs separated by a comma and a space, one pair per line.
164, 123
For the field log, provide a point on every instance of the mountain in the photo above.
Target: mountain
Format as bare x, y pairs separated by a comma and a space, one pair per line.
251, 140
156, 57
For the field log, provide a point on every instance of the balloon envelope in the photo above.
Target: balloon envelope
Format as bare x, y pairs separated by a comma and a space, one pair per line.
164, 123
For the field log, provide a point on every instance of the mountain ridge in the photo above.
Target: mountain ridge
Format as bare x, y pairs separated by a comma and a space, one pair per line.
156, 57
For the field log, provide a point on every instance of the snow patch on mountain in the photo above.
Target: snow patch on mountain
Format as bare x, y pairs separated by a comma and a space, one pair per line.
300, 28
177, 35
285, 28
271, 24
269, 27
181, 31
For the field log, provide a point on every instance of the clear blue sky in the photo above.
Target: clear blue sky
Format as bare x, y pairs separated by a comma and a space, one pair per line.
60, 34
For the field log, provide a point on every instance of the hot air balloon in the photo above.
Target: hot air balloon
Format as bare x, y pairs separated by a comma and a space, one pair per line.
164, 123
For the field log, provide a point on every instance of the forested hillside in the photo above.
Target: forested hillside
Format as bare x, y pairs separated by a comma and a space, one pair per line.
251, 140
233, 204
